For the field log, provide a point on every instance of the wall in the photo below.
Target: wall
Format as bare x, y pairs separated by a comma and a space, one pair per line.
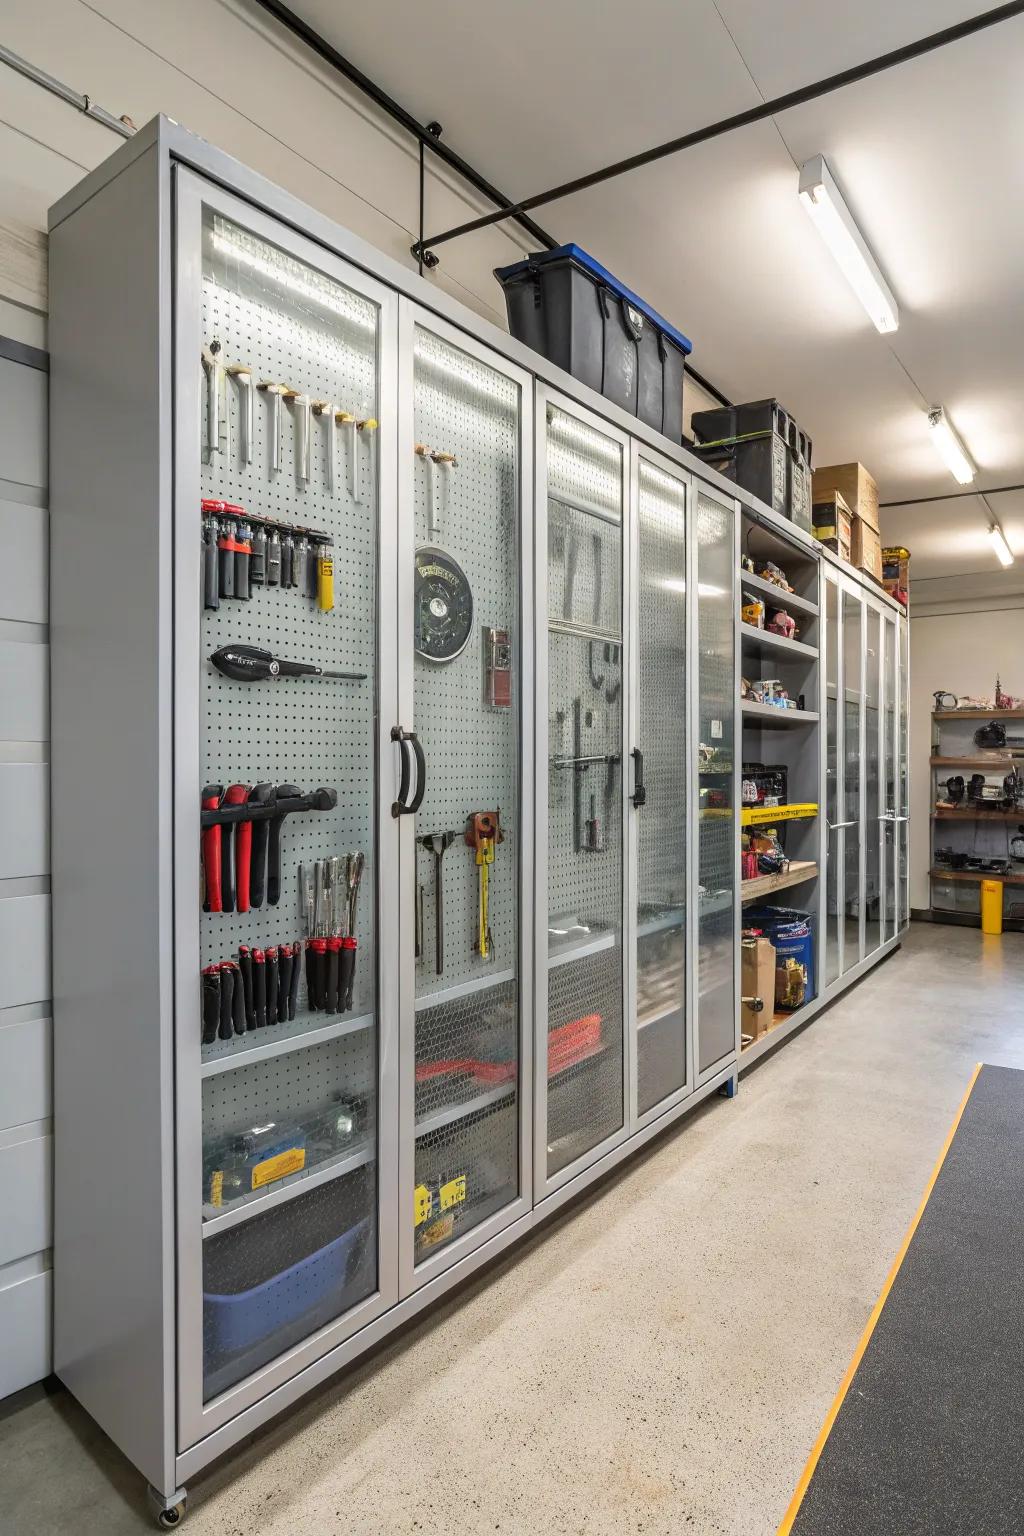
960, 653
25, 1030
263, 98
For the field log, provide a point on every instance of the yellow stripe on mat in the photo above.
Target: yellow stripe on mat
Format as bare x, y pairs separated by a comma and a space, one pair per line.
858, 1354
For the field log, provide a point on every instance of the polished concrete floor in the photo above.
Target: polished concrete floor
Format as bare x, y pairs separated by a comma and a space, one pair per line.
659, 1359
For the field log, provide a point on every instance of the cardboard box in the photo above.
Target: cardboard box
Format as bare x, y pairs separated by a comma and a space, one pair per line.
832, 524
855, 486
866, 549
757, 979
896, 573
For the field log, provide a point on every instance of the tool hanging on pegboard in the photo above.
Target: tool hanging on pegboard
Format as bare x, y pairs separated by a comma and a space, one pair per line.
483, 833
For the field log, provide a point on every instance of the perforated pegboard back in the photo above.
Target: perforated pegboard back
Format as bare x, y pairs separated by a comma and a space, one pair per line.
464, 407
292, 325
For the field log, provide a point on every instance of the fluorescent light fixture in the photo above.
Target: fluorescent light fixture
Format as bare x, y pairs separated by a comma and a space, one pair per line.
949, 447
997, 538
824, 203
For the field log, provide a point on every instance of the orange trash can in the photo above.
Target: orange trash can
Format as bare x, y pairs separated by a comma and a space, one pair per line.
991, 906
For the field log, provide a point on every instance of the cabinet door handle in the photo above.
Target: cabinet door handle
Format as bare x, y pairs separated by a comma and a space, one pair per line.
639, 795
401, 806
421, 771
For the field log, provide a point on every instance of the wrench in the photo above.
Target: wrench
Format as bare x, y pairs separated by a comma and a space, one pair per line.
325, 410
301, 404
273, 393
243, 378
438, 844
212, 366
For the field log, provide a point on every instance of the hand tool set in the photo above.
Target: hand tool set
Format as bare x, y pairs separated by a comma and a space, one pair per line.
255, 991
257, 813
242, 551
482, 834
328, 893
357, 429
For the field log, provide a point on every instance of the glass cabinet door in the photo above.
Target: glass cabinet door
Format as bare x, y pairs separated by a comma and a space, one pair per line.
874, 782
890, 748
712, 754
582, 603
285, 1104
834, 787
852, 846
903, 780
660, 786
464, 475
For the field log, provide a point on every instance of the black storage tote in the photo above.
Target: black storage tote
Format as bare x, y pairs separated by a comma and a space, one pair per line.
564, 304
760, 446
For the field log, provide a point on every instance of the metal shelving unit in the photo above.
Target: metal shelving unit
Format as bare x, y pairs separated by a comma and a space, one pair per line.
974, 830
541, 597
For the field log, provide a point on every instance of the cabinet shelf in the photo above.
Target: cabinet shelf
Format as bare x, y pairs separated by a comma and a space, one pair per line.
255, 1046
247, 1206
463, 989
772, 717
580, 948
798, 871
660, 923
978, 714
783, 599
975, 875
977, 762
659, 1015
449, 1113
763, 639
998, 817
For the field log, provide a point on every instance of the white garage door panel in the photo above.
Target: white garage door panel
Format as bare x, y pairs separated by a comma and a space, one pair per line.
24, 950
24, 533
24, 820
24, 690
26, 1199
25, 1331
26, 1067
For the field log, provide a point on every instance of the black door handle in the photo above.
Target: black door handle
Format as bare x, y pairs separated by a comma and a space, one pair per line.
639, 795
412, 751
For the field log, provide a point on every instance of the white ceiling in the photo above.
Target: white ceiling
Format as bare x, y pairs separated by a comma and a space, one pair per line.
929, 157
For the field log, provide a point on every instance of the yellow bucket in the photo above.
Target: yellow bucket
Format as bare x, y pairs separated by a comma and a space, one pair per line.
991, 906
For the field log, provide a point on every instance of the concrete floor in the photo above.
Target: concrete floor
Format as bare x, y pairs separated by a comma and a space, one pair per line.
658, 1360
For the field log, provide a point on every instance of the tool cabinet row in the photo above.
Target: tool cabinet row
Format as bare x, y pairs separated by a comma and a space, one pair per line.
427, 804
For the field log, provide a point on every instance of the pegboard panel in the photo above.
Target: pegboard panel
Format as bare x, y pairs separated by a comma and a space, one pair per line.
661, 704
295, 326
584, 672
717, 684
466, 408
584, 1080
483, 1149
288, 1089
278, 1277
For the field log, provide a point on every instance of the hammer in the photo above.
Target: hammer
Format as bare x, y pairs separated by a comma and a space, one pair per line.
273, 393
301, 404
243, 378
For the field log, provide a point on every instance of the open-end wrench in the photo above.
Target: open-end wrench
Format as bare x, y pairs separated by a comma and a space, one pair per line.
273, 393
212, 367
370, 424
347, 420
242, 376
302, 411
423, 452
438, 844
324, 409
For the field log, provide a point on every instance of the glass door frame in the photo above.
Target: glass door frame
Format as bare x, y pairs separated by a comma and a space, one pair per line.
193, 192
874, 625
699, 488
545, 395
640, 451
902, 771
847, 591
889, 773
413, 1276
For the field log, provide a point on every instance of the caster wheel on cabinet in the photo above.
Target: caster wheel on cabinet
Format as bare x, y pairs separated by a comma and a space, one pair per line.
170, 1512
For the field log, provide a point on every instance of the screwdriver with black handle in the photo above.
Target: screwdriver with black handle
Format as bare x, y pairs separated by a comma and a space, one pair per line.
211, 1003
250, 664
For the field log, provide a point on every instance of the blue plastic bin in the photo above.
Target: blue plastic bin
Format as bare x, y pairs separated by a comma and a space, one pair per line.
566, 306
792, 933
236, 1322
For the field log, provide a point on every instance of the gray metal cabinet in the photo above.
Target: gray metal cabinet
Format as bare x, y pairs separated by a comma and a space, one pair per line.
523, 606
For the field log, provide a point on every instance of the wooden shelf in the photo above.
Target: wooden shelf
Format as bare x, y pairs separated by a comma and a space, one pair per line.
975, 875
965, 815
978, 714
783, 599
765, 640
764, 885
977, 762
771, 716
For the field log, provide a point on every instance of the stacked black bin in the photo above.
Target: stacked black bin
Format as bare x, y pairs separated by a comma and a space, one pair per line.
566, 306
760, 446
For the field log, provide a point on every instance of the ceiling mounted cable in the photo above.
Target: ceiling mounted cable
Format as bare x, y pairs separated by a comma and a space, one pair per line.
920, 501
729, 124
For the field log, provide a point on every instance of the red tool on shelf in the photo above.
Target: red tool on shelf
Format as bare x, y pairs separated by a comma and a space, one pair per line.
211, 838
